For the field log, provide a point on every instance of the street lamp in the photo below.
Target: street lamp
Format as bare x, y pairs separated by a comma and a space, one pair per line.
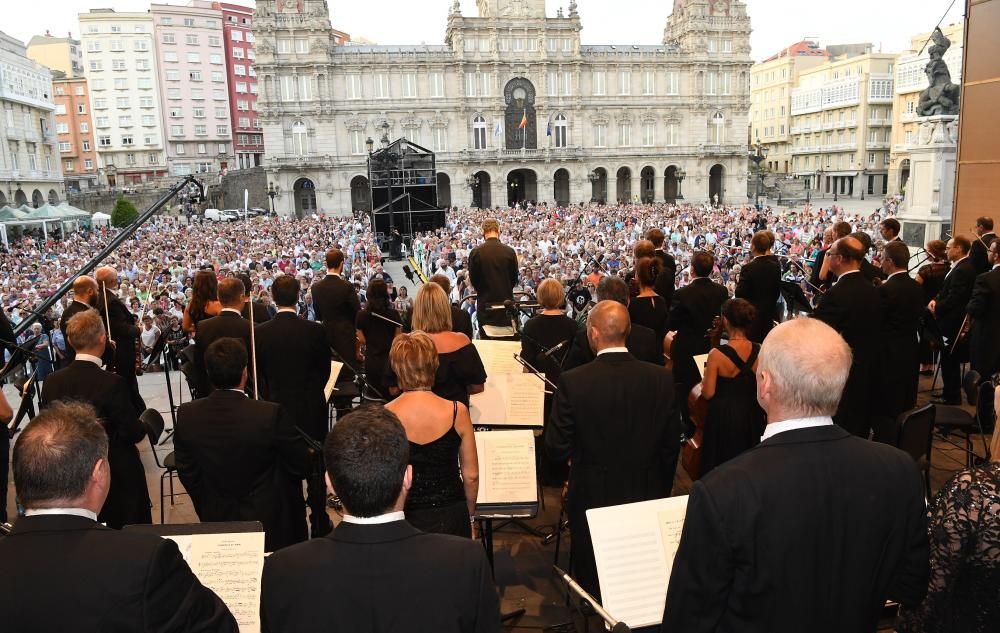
370, 144
385, 134
757, 154
473, 183
272, 193
680, 174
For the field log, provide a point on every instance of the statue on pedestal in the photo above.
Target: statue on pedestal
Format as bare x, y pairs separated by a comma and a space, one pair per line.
941, 96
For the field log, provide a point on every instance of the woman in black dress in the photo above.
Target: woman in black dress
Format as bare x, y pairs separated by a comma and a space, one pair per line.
443, 454
648, 308
931, 277
377, 327
735, 421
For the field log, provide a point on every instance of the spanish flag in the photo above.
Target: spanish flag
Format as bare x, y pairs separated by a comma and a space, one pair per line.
524, 120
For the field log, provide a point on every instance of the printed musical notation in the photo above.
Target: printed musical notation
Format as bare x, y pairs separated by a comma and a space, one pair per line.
506, 467
498, 357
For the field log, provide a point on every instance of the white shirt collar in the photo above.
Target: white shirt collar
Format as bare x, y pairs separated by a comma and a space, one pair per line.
233, 310
292, 310
382, 518
844, 276
80, 512
774, 428
90, 359
898, 272
613, 350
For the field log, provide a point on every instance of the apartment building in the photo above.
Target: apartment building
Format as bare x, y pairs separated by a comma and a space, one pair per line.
248, 137
60, 54
75, 133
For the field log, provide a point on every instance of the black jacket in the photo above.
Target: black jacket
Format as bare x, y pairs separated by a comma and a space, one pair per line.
760, 284
812, 529
493, 273
241, 460
903, 304
666, 278
984, 308
380, 579
694, 308
980, 252
461, 321
293, 367
260, 313
617, 420
101, 580
71, 311
226, 325
123, 330
953, 298
641, 343
109, 394
337, 305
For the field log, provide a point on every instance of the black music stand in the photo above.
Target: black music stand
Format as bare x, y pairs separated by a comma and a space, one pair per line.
160, 351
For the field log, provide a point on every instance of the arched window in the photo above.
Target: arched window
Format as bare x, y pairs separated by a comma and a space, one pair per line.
299, 138
479, 132
716, 129
561, 130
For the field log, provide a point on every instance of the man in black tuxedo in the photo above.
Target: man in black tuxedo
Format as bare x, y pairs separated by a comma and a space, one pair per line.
120, 325
241, 459
101, 579
641, 340
260, 314
760, 284
695, 307
822, 276
616, 420
869, 271
903, 305
293, 367
853, 307
889, 230
811, 528
460, 319
984, 310
949, 308
979, 253
84, 298
666, 278
493, 273
84, 380
337, 305
376, 572
229, 323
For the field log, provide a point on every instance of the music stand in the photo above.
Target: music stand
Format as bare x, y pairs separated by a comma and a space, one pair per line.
159, 351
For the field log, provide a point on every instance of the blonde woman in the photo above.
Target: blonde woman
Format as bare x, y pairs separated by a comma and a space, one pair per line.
442, 442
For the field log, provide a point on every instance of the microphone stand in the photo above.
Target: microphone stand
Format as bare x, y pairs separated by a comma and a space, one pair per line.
534, 371
359, 378
590, 604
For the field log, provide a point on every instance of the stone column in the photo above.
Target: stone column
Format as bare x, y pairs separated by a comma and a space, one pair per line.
658, 185
931, 187
545, 189
579, 188
498, 193
636, 193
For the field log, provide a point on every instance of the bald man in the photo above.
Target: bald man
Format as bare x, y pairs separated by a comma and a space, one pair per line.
617, 420
121, 328
84, 298
853, 307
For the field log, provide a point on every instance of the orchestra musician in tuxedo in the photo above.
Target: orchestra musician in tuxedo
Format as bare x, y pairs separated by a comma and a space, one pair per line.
760, 284
979, 253
641, 341
84, 298
461, 321
949, 308
121, 328
337, 305
903, 305
869, 271
666, 278
84, 380
889, 230
100, 579
812, 529
493, 272
853, 307
375, 571
260, 314
293, 367
241, 459
984, 310
229, 323
616, 420
822, 276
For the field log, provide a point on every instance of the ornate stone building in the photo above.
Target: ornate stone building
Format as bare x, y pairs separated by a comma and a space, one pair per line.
514, 106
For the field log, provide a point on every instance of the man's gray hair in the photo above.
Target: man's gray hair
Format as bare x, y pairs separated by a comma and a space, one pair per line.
809, 363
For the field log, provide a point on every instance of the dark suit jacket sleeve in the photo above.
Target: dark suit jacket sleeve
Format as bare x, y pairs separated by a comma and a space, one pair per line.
829, 311
174, 600
188, 469
703, 569
580, 352
671, 438
559, 435
512, 266
317, 301
956, 286
979, 304
488, 603
124, 414
908, 585
743, 288
475, 272
291, 447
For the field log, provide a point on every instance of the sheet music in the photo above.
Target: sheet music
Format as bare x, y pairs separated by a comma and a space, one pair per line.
506, 467
634, 546
511, 400
335, 368
498, 356
701, 361
230, 565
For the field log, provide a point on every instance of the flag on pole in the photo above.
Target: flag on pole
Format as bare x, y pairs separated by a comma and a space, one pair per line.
524, 120
498, 130
548, 130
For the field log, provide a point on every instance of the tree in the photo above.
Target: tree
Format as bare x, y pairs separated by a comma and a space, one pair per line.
124, 213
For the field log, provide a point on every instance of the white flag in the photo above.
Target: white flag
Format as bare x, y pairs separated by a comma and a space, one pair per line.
498, 130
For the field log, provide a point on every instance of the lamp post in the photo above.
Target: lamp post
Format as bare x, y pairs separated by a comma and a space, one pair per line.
593, 178
473, 183
757, 154
680, 174
272, 193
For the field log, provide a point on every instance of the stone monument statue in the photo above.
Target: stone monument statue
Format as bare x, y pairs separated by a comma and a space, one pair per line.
941, 96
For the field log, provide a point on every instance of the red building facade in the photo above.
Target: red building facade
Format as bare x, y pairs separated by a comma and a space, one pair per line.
248, 138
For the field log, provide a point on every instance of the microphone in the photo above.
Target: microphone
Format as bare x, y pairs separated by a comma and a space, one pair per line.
555, 348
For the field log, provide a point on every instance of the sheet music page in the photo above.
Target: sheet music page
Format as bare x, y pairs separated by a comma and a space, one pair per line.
701, 361
525, 400
335, 368
498, 356
506, 467
230, 565
634, 546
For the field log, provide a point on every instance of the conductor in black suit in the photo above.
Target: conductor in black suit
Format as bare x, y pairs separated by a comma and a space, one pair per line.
109, 394
493, 273
979, 252
84, 298
229, 323
120, 325
902, 304
293, 367
760, 284
984, 310
337, 305
853, 307
241, 459
376, 572
949, 308
812, 529
616, 420
99, 579
641, 341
